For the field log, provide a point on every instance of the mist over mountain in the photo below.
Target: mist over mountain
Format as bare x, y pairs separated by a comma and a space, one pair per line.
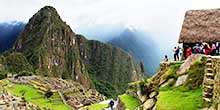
140, 46
137, 42
9, 31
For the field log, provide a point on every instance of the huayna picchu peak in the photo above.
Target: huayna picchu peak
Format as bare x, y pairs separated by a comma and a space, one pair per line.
52, 49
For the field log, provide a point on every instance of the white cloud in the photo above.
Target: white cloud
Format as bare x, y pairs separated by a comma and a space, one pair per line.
162, 18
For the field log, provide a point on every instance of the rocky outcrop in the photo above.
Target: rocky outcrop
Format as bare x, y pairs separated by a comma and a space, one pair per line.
181, 80
145, 92
149, 104
120, 105
188, 62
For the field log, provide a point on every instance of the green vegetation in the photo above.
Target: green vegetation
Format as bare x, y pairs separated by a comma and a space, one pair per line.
32, 96
181, 98
196, 74
171, 72
131, 103
96, 107
149, 80
113, 67
135, 82
16, 62
104, 87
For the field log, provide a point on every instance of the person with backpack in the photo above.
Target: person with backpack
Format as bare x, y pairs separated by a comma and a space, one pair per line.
111, 104
176, 53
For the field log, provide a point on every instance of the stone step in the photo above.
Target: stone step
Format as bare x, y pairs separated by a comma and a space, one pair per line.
208, 90
209, 81
208, 87
207, 99
205, 94
209, 70
208, 60
208, 64
209, 74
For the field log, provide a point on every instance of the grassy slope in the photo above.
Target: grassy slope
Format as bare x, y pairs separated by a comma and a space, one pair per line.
186, 97
177, 99
96, 107
130, 102
32, 96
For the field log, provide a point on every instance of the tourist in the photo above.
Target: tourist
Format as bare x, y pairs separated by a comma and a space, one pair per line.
181, 54
111, 104
196, 48
188, 51
206, 45
175, 54
213, 49
201, 49
217, 48
165, 58
207, 49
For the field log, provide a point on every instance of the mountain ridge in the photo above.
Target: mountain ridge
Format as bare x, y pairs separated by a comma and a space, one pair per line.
131, 40
54, 50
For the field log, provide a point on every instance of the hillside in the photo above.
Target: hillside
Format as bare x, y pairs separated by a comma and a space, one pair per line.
140, 46
189, 85
49, 47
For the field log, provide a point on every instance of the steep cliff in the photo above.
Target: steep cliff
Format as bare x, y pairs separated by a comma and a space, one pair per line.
52, 49
109, 67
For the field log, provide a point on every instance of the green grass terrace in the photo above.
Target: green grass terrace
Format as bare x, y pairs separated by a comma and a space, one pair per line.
179, 98
33, 96
131, 103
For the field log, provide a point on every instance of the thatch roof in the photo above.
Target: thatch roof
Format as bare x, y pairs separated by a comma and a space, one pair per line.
201, 26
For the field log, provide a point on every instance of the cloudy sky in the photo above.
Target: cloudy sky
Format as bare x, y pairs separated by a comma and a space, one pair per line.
161, 18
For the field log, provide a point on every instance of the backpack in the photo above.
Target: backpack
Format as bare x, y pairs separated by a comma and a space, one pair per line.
177, 51
111, 103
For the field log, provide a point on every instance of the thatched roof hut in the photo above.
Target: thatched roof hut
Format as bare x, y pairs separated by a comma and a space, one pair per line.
201, 26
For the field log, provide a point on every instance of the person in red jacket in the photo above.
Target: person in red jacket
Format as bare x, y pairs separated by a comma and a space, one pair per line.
188, 52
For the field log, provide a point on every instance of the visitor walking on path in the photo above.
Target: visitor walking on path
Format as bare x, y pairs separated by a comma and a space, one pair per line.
111, 104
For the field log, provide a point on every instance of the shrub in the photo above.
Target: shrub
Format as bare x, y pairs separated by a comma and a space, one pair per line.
17, 62
196, 73
171, 71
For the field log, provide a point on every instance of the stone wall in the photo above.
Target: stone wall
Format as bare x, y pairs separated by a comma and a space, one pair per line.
211, 83
216, 89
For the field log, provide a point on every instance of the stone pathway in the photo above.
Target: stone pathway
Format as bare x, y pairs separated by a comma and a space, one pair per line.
107, 102
208, 81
